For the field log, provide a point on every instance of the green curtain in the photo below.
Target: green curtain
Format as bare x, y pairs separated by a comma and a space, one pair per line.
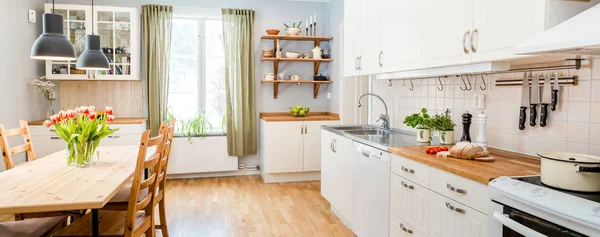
156, 22
238, 43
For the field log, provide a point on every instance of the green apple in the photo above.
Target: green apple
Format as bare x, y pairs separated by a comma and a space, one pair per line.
302, 113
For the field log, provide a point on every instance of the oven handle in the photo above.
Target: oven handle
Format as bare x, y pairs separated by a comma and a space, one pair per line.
516, 226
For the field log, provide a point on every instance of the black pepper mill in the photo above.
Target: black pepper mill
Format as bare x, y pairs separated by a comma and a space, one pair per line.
466, 121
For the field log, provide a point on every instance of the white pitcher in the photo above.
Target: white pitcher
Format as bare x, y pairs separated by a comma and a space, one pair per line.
316, 52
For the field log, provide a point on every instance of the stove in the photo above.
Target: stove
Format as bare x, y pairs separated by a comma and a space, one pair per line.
524, 206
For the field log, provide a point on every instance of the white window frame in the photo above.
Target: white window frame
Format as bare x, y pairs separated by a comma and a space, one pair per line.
201, 15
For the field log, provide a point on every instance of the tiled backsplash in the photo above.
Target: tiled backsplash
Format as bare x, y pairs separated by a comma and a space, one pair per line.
573, 127
124, 96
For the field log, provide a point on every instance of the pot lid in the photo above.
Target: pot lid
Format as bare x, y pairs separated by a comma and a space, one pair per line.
570, 157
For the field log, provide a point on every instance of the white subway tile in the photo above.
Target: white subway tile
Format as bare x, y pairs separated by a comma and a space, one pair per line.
580, 92
557, 130
595, 134
520, 144
558, 146
536, 145
579, 112
595, 113
439, 103
594, 150
577, 148
584, 73
578, 132
505, 141
595, 93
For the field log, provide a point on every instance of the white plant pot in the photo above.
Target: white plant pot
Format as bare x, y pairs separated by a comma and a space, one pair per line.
423, 135
293, 31
447, 137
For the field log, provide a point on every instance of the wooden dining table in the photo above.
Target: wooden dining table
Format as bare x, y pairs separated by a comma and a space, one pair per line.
49, 184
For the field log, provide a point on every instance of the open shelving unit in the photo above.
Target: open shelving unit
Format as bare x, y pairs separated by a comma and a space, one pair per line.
316, 62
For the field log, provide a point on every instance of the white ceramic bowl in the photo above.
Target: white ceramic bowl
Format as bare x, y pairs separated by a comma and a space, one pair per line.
293, 31
291, 54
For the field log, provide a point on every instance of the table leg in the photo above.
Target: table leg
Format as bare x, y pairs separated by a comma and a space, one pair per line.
95, 231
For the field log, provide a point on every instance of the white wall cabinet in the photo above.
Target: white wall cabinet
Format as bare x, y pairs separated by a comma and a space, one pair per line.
45, 141
423, 34
119, 31
338, 159
291, 146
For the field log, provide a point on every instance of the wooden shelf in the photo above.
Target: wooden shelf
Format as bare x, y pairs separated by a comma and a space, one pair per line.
316, 85
297, 38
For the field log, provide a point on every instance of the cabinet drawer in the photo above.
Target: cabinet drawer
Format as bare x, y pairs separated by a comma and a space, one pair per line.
399, 228
460, 189
39, 130
409, 201
129, 129
46, 145
121, 140
450, 218
411, 170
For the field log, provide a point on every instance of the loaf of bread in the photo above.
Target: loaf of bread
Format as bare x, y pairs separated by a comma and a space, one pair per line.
467, 150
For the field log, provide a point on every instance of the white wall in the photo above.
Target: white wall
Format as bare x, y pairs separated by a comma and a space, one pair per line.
573, 127
17, 100
335, 9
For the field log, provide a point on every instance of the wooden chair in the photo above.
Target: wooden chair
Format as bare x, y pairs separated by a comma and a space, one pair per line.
8, 152
119, 202
40, 227
139, 217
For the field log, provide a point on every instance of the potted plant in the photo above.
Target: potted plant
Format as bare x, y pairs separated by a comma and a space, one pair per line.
294, 30
445, 126
422, 122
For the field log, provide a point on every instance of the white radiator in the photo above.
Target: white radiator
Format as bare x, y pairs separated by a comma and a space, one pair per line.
200, 155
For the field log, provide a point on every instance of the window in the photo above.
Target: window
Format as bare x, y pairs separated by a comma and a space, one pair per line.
197, 70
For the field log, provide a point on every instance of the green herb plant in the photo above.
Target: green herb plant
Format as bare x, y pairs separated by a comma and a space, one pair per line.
419, 120
442, 122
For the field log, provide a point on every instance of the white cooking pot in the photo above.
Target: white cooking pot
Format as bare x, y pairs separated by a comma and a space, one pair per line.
571, 171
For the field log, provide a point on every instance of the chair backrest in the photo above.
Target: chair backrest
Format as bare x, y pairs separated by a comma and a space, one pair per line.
8, 152
162, 174
152, 163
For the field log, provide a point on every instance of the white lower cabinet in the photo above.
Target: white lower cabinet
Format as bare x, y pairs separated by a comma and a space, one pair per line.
447, 206
448, 218
45, 141
338, 159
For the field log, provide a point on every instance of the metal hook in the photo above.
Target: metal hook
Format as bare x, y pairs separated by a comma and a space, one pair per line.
390, 83
441, 87
412, 87
404, 82
464, 82
483, 80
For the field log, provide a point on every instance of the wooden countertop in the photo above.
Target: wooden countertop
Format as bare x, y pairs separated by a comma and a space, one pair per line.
287, 116
506, 163
117, 121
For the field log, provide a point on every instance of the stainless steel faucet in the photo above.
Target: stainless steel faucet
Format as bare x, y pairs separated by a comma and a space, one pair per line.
382, 117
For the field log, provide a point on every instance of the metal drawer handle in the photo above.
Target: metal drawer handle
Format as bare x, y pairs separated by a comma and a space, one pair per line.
407, 170
331, 145
114, 136
453, 189
405, 229
334, 145
465, 42
459, 210
360, 63
380, 63
52, 130
54, 138
356, 63
473, 49
407, 185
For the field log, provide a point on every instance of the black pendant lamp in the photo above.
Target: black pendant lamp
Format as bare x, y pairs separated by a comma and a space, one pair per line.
52, 44
92, 58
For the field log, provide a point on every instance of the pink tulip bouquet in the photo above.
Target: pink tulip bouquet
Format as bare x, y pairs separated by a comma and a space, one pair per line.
82, 129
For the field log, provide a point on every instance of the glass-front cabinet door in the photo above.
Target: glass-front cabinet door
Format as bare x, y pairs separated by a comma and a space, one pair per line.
119, 31
120, 42
77, 24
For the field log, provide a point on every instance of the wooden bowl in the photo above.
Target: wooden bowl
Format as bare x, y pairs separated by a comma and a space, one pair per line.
272, 32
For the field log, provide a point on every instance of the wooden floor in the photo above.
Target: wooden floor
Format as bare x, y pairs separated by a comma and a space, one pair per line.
246, 206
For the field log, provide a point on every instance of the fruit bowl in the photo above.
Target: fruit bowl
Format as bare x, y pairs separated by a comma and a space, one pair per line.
299, 111
293, 31
272, 32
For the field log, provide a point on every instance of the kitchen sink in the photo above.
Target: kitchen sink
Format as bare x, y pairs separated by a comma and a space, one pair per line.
351, 128
368, 132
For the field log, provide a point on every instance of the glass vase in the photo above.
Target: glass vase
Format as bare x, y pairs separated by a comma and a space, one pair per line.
50, 110
82, 154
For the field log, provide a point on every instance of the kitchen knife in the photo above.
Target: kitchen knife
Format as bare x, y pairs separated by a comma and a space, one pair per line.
524, 101
535, 99
555, 92
546, 100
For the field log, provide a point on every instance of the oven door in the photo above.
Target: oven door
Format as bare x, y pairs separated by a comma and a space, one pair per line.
516, 223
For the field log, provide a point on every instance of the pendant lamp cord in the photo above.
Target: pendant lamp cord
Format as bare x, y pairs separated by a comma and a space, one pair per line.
93, 17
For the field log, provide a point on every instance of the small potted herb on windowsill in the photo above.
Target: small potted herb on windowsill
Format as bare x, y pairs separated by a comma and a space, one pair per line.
445, 126
422, 122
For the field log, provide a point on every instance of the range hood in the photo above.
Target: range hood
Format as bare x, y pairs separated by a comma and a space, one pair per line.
579, 35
